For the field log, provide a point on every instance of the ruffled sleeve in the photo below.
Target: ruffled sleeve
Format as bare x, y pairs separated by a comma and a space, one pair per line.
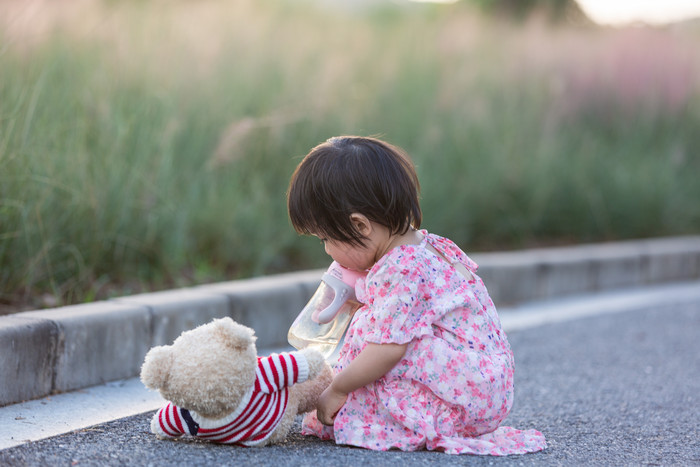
451, 251
396, 297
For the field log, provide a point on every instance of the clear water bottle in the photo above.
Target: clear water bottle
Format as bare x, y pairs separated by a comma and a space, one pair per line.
323, 320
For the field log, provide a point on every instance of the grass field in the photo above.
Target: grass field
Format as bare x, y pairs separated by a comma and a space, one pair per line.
146, 145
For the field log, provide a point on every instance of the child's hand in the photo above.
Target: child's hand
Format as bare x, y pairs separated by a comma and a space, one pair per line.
329, 404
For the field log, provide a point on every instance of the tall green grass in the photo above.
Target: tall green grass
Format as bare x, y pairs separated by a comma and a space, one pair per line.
149, 145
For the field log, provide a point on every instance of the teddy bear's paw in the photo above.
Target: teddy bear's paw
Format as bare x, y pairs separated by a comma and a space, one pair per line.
315, 360
325, 376
307, 393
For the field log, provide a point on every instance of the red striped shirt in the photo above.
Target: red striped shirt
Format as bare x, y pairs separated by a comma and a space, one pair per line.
257, 415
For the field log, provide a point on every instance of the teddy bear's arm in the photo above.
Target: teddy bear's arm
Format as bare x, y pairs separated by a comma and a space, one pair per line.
168, 422
281, 370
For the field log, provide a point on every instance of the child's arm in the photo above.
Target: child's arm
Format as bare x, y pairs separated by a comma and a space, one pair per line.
372, 363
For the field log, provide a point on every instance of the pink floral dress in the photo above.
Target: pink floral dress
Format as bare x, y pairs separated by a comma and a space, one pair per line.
454, 386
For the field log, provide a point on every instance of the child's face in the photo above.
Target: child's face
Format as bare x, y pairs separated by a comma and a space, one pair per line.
377, 241
358, 258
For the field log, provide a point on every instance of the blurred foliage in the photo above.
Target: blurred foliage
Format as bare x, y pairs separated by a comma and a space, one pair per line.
148, 145
556, 10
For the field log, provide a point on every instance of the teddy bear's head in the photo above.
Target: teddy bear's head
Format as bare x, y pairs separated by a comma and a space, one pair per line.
207, 369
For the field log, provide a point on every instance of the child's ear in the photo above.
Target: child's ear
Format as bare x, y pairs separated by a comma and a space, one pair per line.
361, 224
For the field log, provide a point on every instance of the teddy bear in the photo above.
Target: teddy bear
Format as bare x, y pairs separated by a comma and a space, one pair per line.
220, 390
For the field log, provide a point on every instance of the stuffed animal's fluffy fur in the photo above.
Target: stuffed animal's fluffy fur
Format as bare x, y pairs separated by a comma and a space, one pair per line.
219, 389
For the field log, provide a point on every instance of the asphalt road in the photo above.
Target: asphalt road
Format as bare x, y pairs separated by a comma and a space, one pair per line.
620, 389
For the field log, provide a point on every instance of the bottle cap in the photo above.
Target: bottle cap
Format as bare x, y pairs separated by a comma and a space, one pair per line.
346, 275
342, 281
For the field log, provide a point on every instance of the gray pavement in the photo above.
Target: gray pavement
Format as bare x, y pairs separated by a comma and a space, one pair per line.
607, 389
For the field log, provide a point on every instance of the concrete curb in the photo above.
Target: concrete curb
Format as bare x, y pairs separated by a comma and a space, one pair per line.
68, 348
540, 274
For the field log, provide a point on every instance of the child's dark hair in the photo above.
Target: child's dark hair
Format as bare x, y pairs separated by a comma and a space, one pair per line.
352, 174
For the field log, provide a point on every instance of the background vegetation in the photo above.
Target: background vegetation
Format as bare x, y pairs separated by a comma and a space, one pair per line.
146, 145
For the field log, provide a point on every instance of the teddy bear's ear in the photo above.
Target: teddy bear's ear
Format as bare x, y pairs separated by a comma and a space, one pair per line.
155, 370
233, 334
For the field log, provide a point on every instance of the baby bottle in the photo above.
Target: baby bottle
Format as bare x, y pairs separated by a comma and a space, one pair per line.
323, 320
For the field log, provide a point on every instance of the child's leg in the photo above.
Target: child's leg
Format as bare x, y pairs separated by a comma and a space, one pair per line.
311, 426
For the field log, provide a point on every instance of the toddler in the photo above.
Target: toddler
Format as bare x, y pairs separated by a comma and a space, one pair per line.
425, 362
